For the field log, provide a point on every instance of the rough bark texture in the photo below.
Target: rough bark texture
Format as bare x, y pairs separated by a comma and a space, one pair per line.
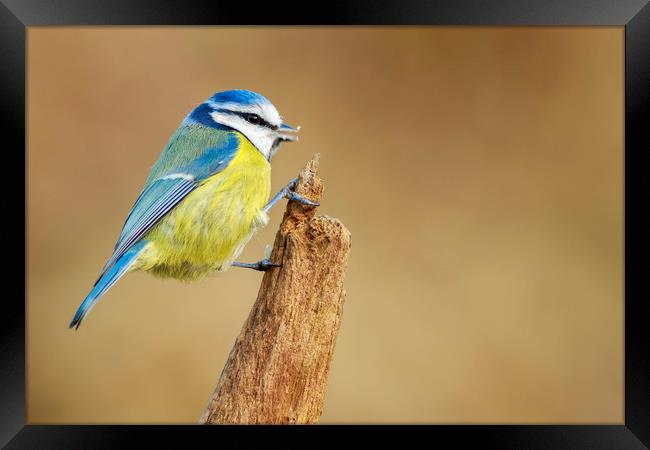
277, 370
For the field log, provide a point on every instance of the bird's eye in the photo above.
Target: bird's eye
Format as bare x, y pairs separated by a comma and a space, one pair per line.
253, 118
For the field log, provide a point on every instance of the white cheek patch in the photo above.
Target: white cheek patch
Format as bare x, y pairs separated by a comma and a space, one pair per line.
261, 137
225, 119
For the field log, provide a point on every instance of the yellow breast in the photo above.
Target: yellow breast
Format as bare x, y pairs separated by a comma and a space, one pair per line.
209, 228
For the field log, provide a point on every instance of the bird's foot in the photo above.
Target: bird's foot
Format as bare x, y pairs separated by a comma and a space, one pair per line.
262, 265
289, 193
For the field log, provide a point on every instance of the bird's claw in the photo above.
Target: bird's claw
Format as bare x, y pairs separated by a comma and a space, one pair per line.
262, 265
292, 195
265, 264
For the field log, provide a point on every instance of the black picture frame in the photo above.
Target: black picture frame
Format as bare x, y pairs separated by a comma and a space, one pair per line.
634, 15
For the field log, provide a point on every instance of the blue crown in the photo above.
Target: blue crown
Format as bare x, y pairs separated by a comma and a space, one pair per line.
241, 96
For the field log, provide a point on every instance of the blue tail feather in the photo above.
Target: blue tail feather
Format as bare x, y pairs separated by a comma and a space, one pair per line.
106, 281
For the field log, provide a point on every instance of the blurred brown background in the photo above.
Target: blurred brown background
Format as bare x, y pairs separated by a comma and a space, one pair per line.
479, 170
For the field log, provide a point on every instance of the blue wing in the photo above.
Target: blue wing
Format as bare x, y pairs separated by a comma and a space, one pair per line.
161, 195
154, 202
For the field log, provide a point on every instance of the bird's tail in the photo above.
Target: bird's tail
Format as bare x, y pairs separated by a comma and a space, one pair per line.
106, 281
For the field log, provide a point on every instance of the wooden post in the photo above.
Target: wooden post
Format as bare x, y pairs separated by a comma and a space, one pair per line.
277, 369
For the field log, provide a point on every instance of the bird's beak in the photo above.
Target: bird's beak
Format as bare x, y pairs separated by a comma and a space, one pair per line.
287, 133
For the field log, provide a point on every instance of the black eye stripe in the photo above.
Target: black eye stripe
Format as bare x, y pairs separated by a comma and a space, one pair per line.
246, 116
255, 120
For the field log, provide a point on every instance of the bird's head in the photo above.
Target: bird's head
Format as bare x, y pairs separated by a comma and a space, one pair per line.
254, 116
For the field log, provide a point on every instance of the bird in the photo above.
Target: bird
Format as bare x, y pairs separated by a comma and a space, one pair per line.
204, 197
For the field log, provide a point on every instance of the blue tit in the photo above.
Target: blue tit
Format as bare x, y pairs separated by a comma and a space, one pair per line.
205, 196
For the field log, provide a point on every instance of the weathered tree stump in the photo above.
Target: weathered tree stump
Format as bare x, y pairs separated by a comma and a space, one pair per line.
277, 369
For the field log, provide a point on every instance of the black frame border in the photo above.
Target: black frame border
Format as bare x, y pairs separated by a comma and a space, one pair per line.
634, 15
